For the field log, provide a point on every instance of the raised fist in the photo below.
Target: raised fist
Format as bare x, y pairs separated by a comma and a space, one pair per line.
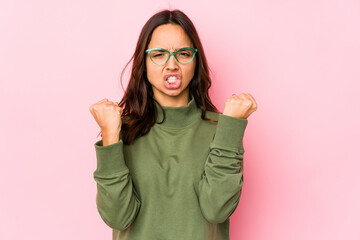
108, 116
240, 106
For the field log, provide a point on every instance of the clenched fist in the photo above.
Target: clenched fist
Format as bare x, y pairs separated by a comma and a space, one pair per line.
240, 106
108, 116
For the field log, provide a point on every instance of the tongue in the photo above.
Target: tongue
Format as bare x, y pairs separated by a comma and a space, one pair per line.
172, 85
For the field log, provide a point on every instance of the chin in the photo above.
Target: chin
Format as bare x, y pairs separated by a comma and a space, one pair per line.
175, 93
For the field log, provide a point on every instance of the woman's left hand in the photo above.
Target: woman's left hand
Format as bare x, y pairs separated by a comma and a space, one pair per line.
240, 106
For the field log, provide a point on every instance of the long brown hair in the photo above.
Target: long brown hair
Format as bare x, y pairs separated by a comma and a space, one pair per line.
138, 102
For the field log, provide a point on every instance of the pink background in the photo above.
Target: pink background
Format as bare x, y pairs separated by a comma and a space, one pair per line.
299, 59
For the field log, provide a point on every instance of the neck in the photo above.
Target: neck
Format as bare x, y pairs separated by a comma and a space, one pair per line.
173, 101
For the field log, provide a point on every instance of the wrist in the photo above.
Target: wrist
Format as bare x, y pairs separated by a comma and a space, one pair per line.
109, 138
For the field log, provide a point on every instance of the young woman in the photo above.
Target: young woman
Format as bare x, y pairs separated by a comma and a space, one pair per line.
169, 166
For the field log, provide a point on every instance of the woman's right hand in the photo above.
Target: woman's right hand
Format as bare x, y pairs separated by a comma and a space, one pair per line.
108, 116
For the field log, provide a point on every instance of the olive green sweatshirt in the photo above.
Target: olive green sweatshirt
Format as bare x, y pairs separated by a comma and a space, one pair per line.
181, 181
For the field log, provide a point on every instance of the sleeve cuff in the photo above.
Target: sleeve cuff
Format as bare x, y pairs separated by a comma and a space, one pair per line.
110, 158
230, 131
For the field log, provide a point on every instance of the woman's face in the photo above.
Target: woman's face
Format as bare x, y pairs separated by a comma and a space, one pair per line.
170, 37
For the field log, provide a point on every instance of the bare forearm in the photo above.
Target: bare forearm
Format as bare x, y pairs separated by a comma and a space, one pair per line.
109, 139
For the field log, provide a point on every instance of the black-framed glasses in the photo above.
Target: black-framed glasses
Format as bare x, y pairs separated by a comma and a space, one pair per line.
160, 56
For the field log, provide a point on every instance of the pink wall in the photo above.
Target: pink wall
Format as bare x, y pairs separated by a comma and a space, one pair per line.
299, 59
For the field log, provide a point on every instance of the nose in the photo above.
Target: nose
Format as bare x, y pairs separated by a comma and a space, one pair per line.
172, 63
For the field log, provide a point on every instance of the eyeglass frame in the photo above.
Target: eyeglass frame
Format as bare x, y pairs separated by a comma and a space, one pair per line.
171, 54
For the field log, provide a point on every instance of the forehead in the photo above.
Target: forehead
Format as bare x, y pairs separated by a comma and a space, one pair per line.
170, 37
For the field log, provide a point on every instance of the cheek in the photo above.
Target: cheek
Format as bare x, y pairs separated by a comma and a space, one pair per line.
190, 71
152, 72
147, 66
149, 70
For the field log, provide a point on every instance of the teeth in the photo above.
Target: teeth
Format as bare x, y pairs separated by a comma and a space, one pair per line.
171, 79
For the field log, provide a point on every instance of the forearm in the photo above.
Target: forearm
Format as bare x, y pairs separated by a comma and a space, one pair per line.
220, 185
109, 139
117, 200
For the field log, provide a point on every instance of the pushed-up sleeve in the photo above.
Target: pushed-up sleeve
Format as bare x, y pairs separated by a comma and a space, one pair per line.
116, 199
219, 188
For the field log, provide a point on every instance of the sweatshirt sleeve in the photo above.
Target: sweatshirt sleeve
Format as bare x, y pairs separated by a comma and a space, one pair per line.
219, 188
117, 201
